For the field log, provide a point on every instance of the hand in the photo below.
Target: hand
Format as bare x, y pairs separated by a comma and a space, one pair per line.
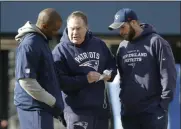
93, 76
3, 124
62, 119
107, 77
55, 111
58, 115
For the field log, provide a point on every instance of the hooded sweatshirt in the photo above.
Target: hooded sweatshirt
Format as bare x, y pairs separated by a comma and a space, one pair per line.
73, 63
34, 61
147, 69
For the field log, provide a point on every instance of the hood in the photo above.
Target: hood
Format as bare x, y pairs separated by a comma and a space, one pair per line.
28, 28
147, 30
65, 38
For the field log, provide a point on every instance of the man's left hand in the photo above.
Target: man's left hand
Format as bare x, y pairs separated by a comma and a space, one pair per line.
107, 77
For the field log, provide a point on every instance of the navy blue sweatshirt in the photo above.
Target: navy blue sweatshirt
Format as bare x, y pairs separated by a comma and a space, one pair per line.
73, 63
34, 60
147, 69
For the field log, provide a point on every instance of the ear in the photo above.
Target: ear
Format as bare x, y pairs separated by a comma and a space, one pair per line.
44, 26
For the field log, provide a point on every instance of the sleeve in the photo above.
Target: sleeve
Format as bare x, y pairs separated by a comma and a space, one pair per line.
166, 63
118, 61
27, 61
67, 81
33, 88
110, 63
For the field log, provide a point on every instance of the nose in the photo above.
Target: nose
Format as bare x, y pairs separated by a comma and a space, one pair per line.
75, 31
121, 32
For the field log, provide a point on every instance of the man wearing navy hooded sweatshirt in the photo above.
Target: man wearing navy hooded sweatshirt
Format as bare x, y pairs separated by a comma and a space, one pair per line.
37, 95
147, 71
81, 60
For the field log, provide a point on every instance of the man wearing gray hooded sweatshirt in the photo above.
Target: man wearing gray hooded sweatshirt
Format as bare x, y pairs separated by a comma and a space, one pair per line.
37, 95
147, 71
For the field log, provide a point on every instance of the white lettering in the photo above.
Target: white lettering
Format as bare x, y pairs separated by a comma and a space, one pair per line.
133, 60
97, 55
86, 55
77, 59
90, 55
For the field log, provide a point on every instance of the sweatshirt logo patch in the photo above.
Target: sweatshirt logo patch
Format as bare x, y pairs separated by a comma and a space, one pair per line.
88, 59
134, 56
91, 63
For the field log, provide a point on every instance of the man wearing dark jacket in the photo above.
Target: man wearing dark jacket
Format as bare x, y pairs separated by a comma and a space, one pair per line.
37, 95
147, 70
81, 60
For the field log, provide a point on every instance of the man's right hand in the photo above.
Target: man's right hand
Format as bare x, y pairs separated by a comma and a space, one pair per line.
93, 76
62, 119
58, 114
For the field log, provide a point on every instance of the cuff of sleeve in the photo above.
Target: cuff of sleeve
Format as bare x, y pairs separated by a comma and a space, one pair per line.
164, 105
112, 77
25, 75
53, 102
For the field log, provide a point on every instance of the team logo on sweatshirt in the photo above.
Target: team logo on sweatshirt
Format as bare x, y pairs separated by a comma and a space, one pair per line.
91, 63
92, 57
134, 56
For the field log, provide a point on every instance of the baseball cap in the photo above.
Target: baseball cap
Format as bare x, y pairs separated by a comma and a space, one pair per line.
122, 16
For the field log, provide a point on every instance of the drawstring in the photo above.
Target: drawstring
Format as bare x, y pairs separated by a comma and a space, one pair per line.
75, 51
105, 98
106, 72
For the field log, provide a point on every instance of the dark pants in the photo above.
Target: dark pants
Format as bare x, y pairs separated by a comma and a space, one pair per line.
155, 118
35, 119
85, 122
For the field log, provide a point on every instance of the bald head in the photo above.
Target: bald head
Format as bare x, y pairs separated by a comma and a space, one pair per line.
49, 21
48, 16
